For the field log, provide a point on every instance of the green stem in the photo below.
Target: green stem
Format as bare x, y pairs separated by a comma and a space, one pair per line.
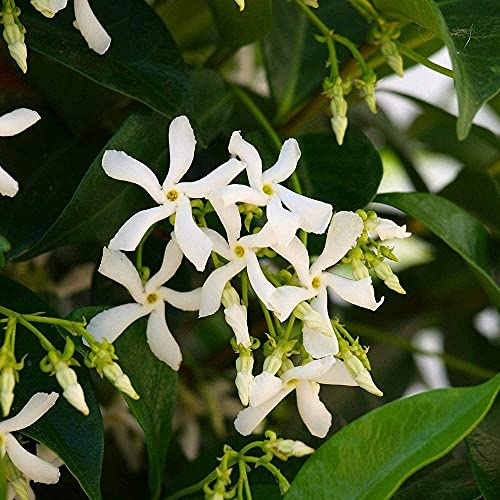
418, 58
194, 487
289, 327
140, 247
244, 288
354, 51
450, 360
44, 341
366, 9
244, 478
269, 320
33, 318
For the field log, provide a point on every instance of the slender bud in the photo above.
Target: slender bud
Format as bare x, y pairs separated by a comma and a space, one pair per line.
115, 375
13, 33
244, 376
312, 3
368, 85
384, 272
241, 4
286, 448
72, 390
312, 319
358, 371
16, 479
394, 60
236, 315
7, 384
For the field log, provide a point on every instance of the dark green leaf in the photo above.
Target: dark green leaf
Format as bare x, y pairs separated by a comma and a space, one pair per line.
100, 204
347, 176
470, 30
76, 439
371, 457
156, 384
483, 449
143, 61
462, 232
241, 28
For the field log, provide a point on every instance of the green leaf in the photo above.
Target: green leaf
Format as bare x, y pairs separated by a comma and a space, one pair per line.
483, 450
347, 176
469, 28
76, 439
156, 384
462, 232
241, 28
100, 205
143, 61
371, 457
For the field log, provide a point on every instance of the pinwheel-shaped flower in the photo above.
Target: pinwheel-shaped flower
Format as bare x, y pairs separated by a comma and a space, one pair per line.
150, 300
173, 196
14, 123
345, 229
265, 190
85, 21
306, 381
33, 467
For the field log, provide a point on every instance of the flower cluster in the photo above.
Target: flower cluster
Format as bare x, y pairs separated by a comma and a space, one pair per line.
304, 346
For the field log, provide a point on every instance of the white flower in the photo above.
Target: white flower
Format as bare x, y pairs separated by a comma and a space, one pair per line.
240, 252
14, 123
345, 229
91, 29
306, 381
386, 229
173, 196
265, 190
150, 300
32, 467
49, 8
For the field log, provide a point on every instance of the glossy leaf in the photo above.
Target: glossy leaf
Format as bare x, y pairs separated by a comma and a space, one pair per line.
156, 384
347, 176
384, 447
462, 232
100, 205
143, 61
469, 28
241, 28
76, 439
483, 450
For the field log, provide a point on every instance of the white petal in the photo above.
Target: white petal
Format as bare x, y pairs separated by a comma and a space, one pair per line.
91, 29
181, 142
161, 341
387, 229
236, 318
17, 121
286, 164
286, 298
172, 259
239, 193
111, 323
357, 292
230, 217
310, 371
296, 253
345, 229
315, 343
283, 222
8, 185
312, 410
265, 238
216, 179
185, 301
211, 293
33, 410
121, 166
261, 286
247, 153
195, 244
263, 387
116, 266
249, 418
338, 374
314, 214
130, 234
31, 466
220, 244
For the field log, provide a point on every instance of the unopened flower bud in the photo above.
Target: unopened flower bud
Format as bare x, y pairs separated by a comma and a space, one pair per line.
358, 371
236, 315
241, 4
386, 229
312, 3
49, 8
369, 83
244, 377
115, 375
359, 270
394, 60
7, 384
312, 319
72, 390
13, 33
286, 448
384, 272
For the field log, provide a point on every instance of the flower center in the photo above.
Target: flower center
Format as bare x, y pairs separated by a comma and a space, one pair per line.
239, 251
172, 195
316, 282
152, 298
268, 189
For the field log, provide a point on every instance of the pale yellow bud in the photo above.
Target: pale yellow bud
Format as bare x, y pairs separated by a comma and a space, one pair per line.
243, 381
7, 384
384, 272
312, 3
339, 127
72, 390
394, 60
241, 4
359, 372
312, 319
21, 488
286, 448
115, 375
19, 53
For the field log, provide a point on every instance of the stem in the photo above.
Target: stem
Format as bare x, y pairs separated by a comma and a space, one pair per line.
450, 360
415, 56
194, 487
138, 252
269, 320
244, 288
354, 51
289, 327
33, 318
44, 341
244, 479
